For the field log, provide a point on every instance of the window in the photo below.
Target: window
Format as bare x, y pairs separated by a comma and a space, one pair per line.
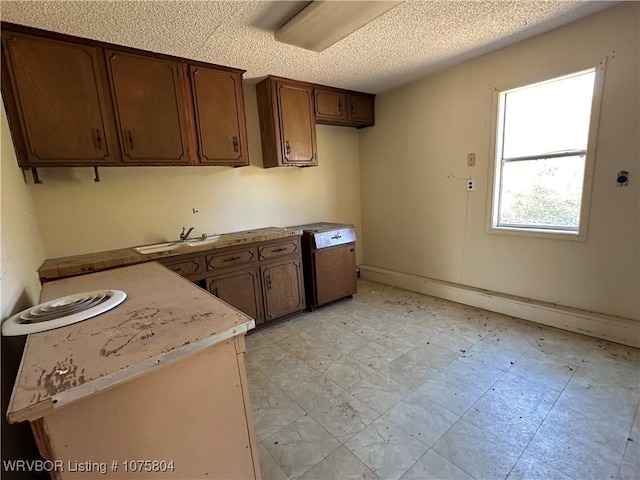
545, 141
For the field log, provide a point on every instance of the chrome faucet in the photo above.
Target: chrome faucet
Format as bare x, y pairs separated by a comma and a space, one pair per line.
184, 235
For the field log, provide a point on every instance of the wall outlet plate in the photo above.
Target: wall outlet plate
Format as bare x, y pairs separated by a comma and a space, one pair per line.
470, 186
471, 160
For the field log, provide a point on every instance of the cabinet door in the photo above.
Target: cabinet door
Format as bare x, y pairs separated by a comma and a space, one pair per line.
330, 105
283, 288
149, 109
297, 124
241, 290
335, 273
219, 116
360, 109
61, 100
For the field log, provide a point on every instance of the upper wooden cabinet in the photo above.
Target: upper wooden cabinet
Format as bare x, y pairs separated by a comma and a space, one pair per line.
287, 123
340, 107
330, 105
147, 94
73, 101
360, 109
288, 113
58, 102
219, 116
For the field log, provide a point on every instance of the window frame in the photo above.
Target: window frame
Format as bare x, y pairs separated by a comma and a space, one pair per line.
493, 192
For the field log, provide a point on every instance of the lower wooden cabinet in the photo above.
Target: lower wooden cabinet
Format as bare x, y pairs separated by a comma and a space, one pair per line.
335, 273
240, 289
283, 288
263, 279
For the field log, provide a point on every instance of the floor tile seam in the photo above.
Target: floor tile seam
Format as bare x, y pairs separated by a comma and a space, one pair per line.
490, 433
569, 407
380, 415
384, 415
529, 380
360, 460
543, 462
322, 343
534, 436
343, 390
271, 456
484, 391
452, 463
296, 403
318, 462
263, 441
625, 450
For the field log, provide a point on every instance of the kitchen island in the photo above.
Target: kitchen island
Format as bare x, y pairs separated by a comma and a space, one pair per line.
154, 388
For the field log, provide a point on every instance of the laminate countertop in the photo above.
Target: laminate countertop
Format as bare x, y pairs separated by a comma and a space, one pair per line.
164, 318
93, 262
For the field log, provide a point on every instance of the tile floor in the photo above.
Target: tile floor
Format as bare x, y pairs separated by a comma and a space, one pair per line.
396, 385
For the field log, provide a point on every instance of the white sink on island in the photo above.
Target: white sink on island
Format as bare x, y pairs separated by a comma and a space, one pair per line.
161, 377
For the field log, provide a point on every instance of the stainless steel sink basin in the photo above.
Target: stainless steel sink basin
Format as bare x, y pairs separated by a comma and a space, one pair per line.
156, 248
169, 246
203, 241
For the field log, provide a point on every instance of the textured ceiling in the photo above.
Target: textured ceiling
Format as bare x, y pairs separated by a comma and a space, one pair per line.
412, 40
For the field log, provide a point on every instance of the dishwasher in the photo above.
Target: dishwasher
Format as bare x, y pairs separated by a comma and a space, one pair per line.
329, 261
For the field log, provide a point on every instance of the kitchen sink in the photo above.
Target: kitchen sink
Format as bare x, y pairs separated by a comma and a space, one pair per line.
156, 248
169, 246
196, 242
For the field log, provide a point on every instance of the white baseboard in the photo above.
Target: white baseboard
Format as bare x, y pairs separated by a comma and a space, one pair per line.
607, 327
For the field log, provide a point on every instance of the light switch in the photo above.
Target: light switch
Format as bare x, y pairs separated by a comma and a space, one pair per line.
471, 160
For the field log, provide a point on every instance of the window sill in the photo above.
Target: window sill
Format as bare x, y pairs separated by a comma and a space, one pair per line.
539, 233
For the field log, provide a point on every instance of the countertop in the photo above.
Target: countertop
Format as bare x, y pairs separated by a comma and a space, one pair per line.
321, 227
92, 262
164, 318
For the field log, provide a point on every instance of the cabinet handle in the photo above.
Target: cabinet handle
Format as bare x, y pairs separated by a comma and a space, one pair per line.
336, 236
268, 282
98, 139
281, 249
235, 144
352, 108
351, 249
215, 291
340, 106
129, 138
287, 147
231, 259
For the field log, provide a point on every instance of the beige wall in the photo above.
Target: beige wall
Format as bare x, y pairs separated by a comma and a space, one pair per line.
417, 221
22, 251
134, 206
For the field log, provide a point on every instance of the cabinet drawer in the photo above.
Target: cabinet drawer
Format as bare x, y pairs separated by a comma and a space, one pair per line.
279, 250
187, 267
224, 260
334, 237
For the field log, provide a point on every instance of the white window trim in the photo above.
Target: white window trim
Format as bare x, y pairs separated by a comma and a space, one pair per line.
494, 172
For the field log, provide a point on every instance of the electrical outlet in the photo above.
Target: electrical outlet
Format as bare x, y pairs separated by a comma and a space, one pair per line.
471, 160
470, 186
